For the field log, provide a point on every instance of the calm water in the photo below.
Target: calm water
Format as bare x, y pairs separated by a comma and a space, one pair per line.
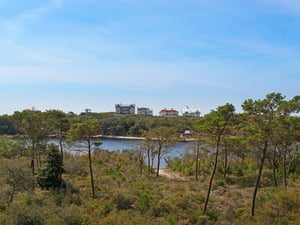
120, 145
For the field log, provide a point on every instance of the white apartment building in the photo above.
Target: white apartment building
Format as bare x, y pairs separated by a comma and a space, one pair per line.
144, 111
190, 112
125, 108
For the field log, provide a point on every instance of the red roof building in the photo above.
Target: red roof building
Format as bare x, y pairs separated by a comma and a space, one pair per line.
168, 112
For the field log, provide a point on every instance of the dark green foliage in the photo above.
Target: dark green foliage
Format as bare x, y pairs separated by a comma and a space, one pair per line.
50, 175
6, 126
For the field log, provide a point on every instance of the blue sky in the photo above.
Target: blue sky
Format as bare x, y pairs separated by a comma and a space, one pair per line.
77, 54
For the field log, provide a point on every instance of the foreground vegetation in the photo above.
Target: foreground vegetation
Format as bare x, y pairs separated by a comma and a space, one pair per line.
240, 168
124, 196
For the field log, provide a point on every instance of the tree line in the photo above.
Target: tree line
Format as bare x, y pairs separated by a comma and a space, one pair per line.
267, 133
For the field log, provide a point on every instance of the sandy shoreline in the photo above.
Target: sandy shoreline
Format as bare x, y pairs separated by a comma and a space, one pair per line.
136, 138
120, 137
125, 137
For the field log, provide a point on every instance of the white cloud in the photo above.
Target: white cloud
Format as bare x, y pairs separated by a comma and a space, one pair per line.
12, 27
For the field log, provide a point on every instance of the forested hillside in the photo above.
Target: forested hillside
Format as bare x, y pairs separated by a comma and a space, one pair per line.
240, 168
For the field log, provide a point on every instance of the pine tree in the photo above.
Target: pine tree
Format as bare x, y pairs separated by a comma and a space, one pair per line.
50, 175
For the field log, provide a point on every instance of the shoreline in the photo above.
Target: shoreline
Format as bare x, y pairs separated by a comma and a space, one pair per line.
127, 138
119, 137
136, 138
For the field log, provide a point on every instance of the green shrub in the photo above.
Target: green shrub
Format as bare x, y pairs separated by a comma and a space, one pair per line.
243, 181
160, 209
123, 202
107, 208
237, 171
143, 202
220, 183
72, 215
24, 213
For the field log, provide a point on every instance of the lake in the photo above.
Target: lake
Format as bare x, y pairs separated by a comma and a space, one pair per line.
120, 145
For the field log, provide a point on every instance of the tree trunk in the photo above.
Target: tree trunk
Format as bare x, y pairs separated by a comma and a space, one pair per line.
284, 167
141, 159
149, 159
91, 169
38, 159
61, 148
158, 161
197, 161
212, 175
61, 154
152, 164
258, 177
274, 166
33, 159
11, 195
225, 162
292, 160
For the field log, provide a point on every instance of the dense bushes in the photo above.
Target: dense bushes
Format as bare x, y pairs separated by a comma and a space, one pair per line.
139, 199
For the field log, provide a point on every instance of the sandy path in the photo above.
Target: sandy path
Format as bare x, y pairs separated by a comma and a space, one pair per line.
171, 175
